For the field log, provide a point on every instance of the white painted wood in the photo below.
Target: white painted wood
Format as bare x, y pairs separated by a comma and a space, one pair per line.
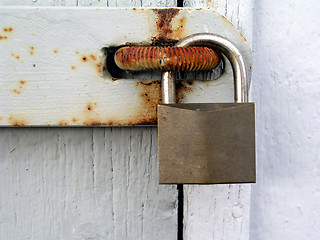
58, 184
285, 200
96, 183
52, 77
91, 3
83, 183
220, 212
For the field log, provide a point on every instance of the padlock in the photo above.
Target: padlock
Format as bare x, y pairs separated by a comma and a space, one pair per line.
207, 143
199, 143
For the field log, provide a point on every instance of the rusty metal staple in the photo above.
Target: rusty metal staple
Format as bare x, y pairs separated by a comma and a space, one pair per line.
141, 58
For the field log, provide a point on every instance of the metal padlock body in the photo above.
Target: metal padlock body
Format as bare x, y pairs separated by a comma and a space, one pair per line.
206, 143
210, 143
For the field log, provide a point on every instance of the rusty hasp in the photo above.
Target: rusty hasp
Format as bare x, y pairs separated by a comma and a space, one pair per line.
140, 58
61, 76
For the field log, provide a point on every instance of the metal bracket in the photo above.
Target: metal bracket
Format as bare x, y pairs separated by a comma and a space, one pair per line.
57, 77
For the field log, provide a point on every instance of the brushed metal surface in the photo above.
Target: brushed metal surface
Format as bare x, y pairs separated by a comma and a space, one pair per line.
206, 143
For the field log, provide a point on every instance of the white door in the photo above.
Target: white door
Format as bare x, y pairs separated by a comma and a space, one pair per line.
102, 183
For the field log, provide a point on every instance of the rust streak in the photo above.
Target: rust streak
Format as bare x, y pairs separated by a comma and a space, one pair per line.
164, 24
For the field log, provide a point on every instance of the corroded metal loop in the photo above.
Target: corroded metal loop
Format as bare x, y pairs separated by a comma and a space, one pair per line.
140, 58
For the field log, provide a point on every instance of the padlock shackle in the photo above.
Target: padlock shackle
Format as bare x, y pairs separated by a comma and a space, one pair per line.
232, 53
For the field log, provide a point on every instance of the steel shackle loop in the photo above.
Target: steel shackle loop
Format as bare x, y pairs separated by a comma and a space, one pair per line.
229, 50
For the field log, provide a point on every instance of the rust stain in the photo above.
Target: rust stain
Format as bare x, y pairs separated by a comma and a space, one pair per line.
150, 95
179, 29
183, 88
17, 121
90, 106
55, 51
74, 120
21, 83
2, 37
73, 67
84, 59
164, 24
15, 56
32, 50
16, 91
1, 118
93, 123
63, 123
94, 60
8, 29
99, 69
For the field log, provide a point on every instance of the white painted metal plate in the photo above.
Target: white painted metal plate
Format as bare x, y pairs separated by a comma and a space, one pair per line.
52, 73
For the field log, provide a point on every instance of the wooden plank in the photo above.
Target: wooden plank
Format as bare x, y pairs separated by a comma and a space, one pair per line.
67, 183
220, 212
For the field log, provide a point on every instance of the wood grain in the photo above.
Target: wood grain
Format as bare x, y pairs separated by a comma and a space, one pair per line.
86, 183
220, 212
102, 183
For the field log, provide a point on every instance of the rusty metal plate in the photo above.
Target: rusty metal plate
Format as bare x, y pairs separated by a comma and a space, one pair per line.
53, 72
206, 143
